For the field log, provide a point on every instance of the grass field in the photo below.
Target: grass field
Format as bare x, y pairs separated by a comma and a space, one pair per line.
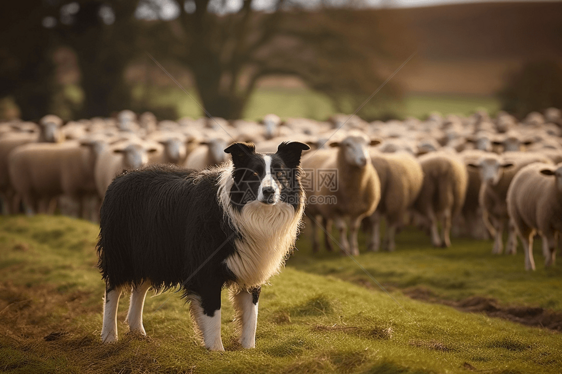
293, 102
316, 316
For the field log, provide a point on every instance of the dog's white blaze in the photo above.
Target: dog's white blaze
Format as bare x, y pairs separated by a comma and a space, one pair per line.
210, 327
268, 181
247, 313
134, 316
110, 304
268, 233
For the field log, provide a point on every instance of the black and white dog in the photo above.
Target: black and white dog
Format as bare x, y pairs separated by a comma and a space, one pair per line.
234, 225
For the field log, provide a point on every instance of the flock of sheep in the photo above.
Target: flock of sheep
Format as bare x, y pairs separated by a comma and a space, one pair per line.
476, 176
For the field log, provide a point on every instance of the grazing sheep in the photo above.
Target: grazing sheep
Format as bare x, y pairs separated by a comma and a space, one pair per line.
208, 153
120, 157
358, 187
496, 173
401, 179
442, 194
534, 201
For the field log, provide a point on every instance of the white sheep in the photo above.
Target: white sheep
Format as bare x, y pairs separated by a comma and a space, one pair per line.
401, 178
41, 172
442, 193
496, 173
121, 157
356, 194
208, 153
534, 201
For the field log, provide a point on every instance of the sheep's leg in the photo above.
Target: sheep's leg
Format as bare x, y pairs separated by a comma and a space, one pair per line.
435, 240
550, 239
498, 243
527, 241
246, 305
375, 234
111, 302
446, 228
206, 310
327, 234
389, 238
353, 231
512, 239
314, 229
344, 244
136, 306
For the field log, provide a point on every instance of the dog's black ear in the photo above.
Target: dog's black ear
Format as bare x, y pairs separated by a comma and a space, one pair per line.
291, 153
240, 152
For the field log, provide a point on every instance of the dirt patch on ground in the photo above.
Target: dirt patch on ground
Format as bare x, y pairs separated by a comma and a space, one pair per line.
530, 316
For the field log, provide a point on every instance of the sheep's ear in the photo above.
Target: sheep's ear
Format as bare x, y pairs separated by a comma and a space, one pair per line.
506, 165
473, 166
241, 152
152, 150
527, 142
291, 153
334, 144
470, 140
548, 172
375, 142
205, 142
119, 150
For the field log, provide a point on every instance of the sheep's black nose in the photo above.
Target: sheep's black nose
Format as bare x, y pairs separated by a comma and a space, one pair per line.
267, 191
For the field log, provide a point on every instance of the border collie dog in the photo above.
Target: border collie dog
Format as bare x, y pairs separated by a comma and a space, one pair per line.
229, 226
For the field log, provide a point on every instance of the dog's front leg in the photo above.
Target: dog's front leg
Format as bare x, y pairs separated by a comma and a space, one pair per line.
246, 305
206, 310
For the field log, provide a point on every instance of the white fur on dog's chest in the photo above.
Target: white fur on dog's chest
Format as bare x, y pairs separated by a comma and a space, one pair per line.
268, 234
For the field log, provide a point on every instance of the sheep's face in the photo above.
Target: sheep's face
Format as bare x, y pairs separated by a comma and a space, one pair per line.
50, 128
268, 179
484, 144
175, 150
355, 149
270, 124
125, 120
135, 156
557, 174
513, 144
491, 169
216, 148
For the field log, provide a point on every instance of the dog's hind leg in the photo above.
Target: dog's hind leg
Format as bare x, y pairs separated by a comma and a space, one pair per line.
246, 305
206, 310
111, 302
134, 316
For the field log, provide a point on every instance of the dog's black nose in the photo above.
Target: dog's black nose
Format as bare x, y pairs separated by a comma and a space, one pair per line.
268, 191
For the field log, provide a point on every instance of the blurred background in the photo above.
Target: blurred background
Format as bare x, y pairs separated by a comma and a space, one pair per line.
244, 59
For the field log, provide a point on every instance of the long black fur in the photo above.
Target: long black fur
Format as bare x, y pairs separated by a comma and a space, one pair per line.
161, 224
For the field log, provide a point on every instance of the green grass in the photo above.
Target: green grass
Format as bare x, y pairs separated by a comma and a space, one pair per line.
286, 102
466, 269
308, 322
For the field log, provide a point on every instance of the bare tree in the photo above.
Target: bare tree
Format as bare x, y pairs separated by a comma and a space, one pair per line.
334, 49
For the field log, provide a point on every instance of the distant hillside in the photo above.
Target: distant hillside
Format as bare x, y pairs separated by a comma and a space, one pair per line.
487, 30
469, 48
